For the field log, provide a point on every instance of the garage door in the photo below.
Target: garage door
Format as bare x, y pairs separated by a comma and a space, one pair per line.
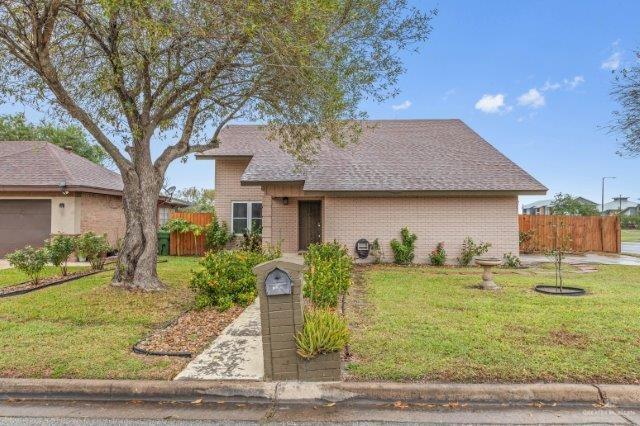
23, 222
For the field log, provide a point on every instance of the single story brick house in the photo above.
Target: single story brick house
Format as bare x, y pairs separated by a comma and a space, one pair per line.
45, 190
437, 177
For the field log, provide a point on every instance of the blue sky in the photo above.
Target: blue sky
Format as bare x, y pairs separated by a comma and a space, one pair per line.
533, 78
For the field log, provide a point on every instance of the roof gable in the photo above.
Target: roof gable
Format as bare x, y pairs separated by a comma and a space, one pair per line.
392, 155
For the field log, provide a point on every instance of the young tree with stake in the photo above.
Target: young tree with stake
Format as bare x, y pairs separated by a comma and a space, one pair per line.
172, 73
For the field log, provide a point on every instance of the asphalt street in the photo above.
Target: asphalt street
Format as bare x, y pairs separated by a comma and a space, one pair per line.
155, 413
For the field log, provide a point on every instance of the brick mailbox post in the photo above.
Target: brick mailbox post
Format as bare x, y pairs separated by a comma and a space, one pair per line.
281, 305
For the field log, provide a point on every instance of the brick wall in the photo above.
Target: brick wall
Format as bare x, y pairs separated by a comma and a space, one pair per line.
346, 219
432, 219
102, 214
228, 188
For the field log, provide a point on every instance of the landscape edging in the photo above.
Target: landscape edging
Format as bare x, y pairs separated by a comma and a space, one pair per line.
321, 392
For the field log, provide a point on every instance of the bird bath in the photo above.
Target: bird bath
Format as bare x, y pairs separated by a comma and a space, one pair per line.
487, 277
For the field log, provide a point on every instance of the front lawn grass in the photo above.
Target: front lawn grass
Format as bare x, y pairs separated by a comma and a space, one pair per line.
630, 235
12, 276
85, 328
430, 324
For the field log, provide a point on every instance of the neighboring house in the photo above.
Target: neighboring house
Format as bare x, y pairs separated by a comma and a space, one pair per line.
45, 190
545, 207
621, 205
437, 177
540, 207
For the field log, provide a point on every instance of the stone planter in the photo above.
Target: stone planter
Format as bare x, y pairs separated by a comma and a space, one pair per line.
323, 368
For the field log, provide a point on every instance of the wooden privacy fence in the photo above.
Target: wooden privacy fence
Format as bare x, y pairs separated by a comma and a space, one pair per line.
585, 233
185, 242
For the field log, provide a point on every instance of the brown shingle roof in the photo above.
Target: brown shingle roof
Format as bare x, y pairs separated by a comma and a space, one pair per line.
392, 155
42, 165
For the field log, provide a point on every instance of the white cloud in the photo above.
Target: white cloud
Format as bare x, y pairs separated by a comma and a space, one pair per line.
612, 62
492, 104
533, 98
550, 86
449, 93
401, 106
574, 82
567, 84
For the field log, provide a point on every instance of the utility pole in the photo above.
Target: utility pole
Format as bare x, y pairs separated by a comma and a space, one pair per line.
603, 179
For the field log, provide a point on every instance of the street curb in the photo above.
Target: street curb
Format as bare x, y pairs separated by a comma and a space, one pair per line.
314, 392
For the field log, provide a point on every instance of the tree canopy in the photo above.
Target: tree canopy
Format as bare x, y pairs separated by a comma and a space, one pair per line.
16, 128
173, 73
626, 91
569, 205
200, 199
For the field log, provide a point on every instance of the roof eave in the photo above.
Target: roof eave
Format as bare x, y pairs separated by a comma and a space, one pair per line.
56, 188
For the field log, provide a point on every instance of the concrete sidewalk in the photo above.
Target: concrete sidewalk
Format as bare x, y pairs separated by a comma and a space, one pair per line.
236, 354
584, 259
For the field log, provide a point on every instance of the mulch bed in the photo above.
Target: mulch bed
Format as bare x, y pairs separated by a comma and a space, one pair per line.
27, 287
189, 334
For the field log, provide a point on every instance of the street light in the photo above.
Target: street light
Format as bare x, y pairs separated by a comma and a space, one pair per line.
605, 177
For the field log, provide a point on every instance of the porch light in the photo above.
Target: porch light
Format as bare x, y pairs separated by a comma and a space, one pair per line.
285, 200
63, 187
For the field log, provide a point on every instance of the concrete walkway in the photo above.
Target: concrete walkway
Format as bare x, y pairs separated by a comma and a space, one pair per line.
587, 258
236, 354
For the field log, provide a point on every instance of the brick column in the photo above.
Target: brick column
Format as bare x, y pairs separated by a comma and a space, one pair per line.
281, 318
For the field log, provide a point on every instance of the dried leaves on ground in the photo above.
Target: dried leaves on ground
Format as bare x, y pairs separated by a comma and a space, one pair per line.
191, 332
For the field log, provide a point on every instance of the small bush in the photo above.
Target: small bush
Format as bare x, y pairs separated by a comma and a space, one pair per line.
376, 251
58, 249
226, 279
251, 241
470, 250
438, 256
216, 235
323, 331
511, 261
94, 247
403, 251
328, 275
29, 260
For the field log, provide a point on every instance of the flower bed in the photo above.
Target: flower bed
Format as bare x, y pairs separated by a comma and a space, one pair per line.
28, 286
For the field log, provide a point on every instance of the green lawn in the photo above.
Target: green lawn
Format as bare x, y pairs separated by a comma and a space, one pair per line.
12, 276
429, 324
630, 235
85, 328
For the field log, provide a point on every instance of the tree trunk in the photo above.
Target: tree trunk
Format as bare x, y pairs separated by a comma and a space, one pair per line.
136, 264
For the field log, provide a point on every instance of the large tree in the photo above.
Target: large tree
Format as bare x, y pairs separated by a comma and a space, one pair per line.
174, 72
569, 205
15, 127
626, 91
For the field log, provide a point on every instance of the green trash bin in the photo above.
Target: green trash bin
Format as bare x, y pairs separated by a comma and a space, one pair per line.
163, 243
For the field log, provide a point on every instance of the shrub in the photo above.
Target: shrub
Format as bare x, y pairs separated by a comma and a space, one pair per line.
226, 279
216, 235
251, 241
438, 256
630, 222
470, 250
376, 251
511, 261
525, 238
323, 331
58, 249
403, 251
328, 275
29, 260
95, 247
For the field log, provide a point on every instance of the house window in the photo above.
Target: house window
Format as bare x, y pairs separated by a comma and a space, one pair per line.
246, 216
163, 215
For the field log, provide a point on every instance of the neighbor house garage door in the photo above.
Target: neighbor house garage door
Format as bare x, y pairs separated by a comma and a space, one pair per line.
23, 222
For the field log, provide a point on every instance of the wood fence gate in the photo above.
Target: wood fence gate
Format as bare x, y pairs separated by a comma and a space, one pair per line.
585, 233
185, 244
